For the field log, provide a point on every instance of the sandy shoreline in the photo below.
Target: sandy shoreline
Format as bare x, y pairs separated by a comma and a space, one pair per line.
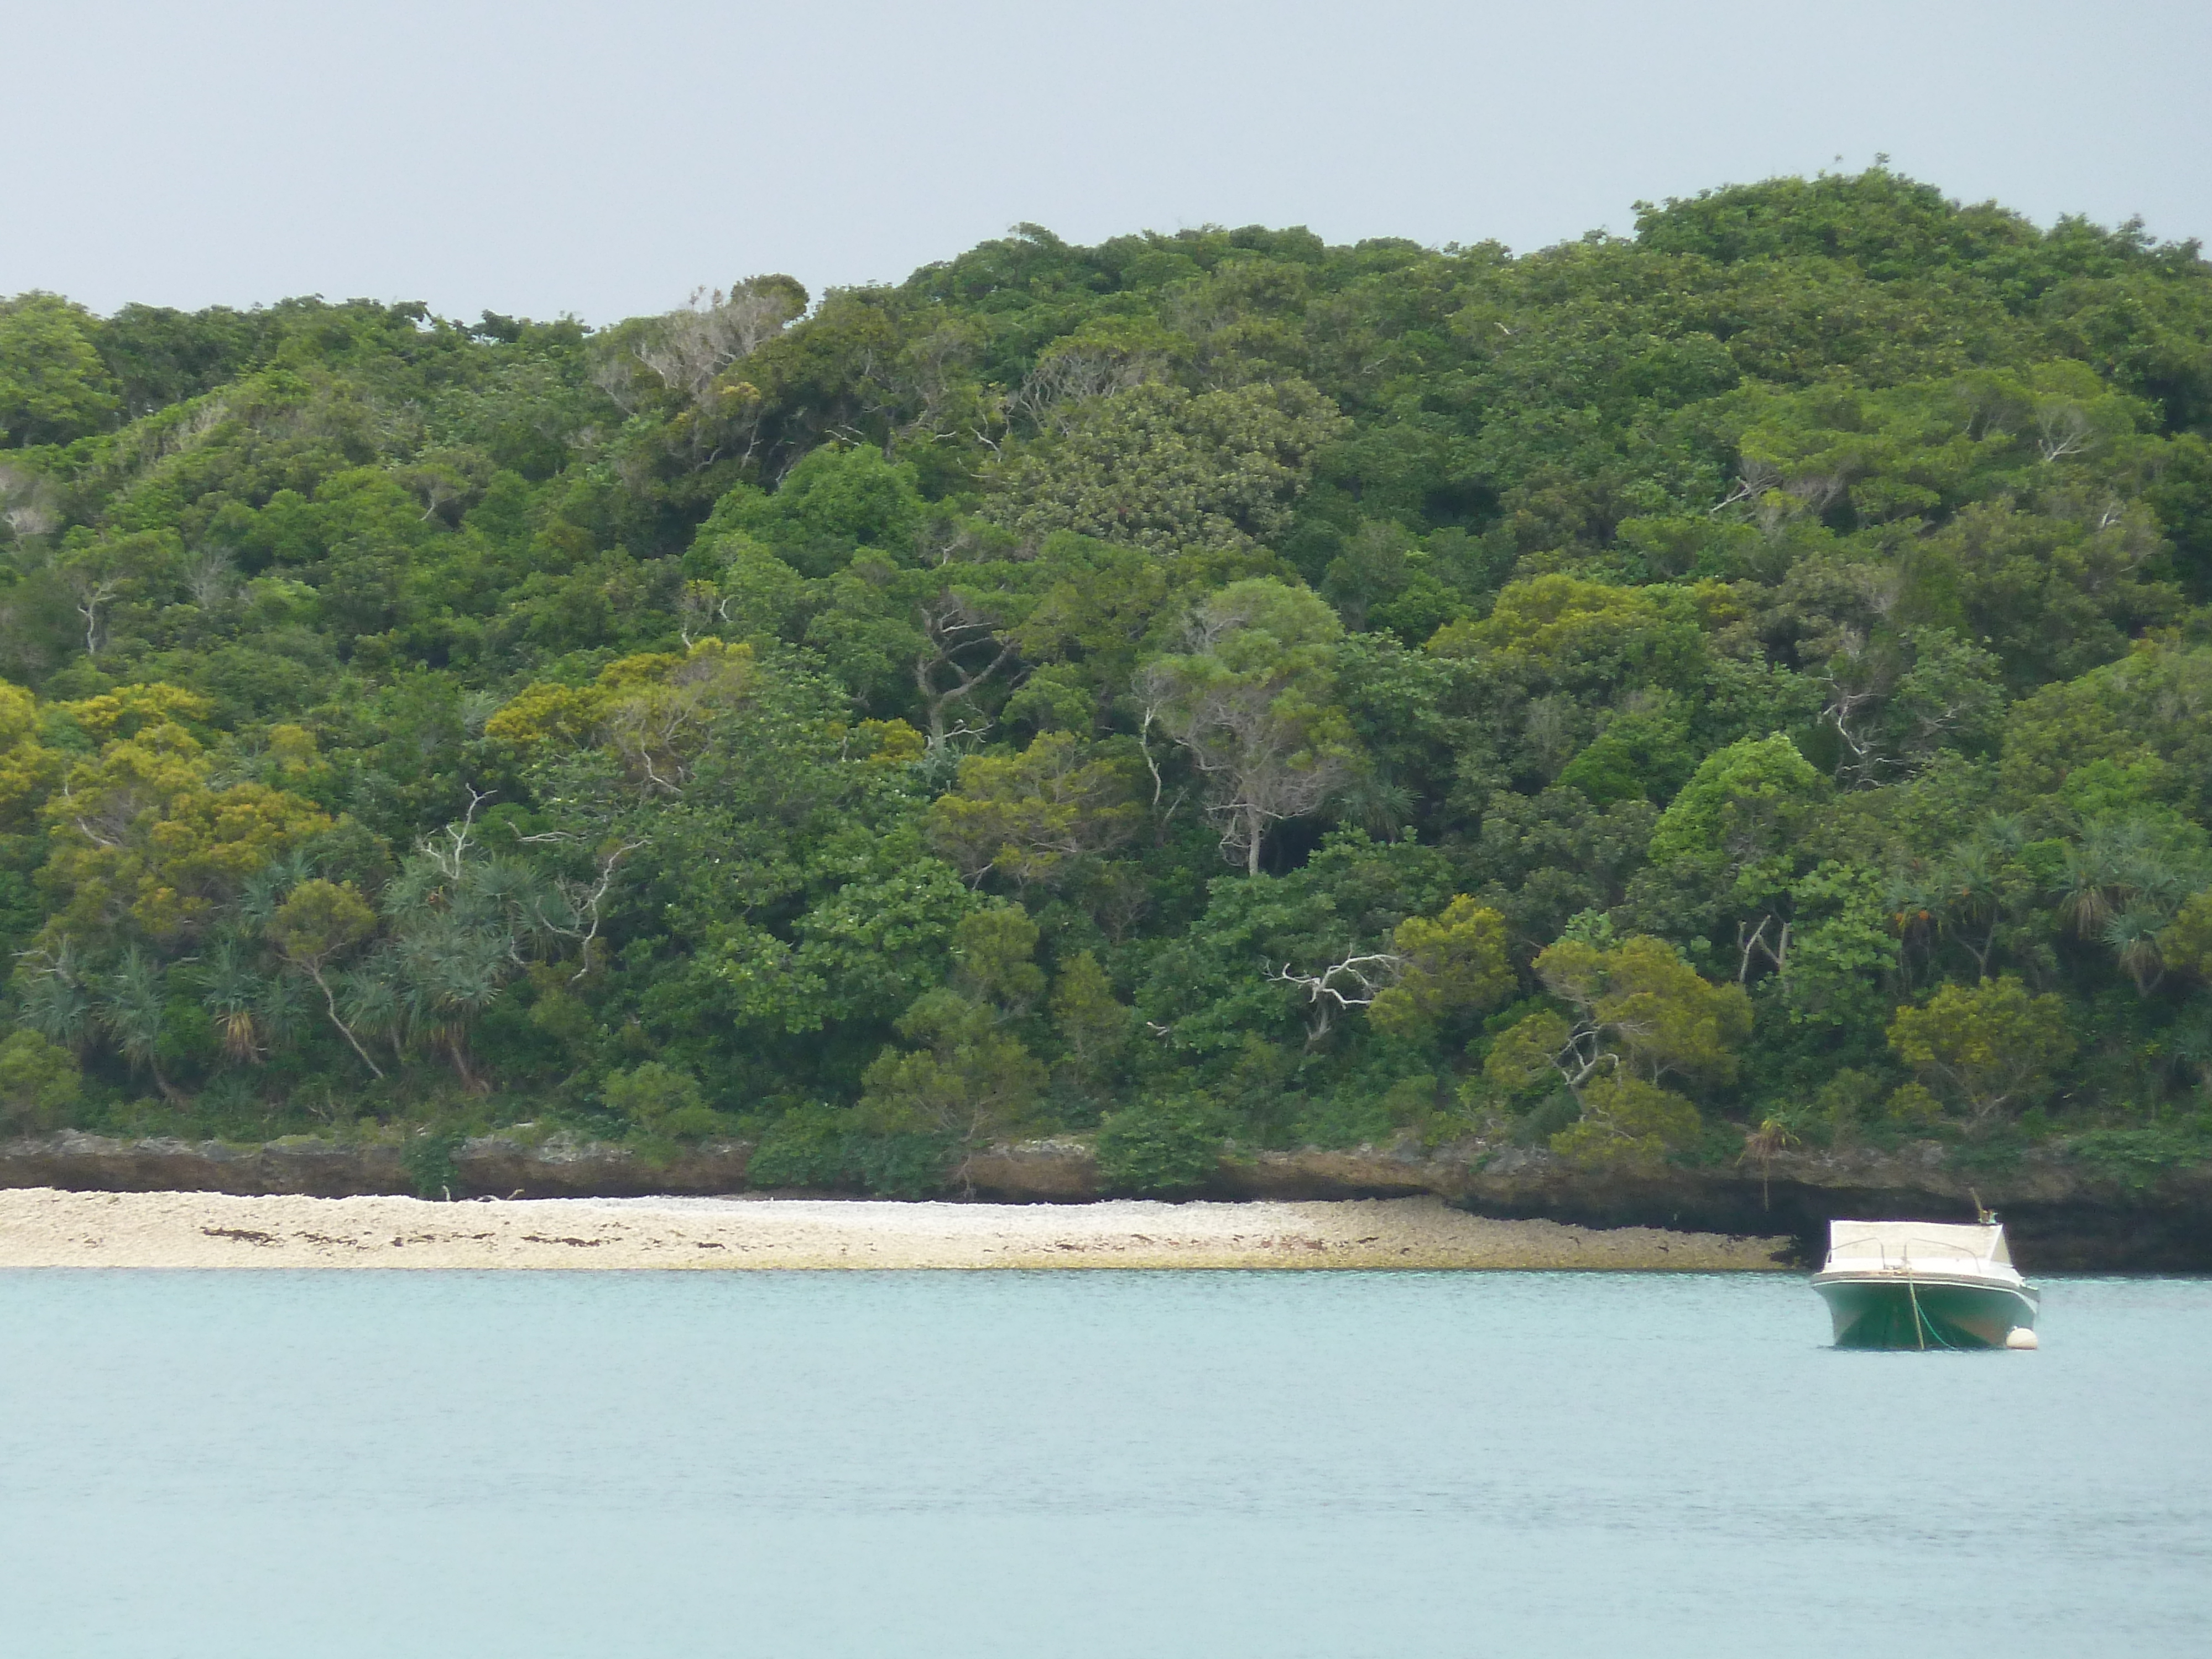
40, 1227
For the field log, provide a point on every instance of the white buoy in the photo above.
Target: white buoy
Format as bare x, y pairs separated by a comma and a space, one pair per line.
2020, 1337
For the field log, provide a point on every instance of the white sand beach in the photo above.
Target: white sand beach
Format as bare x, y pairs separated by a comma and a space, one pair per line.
43, 1228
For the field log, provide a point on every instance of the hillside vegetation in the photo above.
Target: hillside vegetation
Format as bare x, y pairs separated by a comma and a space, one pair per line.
1740, 685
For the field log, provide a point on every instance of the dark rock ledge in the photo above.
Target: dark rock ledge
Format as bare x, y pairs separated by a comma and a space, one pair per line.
2061, 1217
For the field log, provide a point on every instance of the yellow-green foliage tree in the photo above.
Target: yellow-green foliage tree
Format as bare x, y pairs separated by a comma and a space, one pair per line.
1988, 1047
1557, 626
1154, 465
2185, 945
145, 843
1640, 1015
651, 713
1626, 1121
28, 769
1453, 963
1028, 816
318, 922
39, 1081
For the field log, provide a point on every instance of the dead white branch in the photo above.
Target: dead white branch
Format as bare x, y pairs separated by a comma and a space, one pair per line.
1354, 982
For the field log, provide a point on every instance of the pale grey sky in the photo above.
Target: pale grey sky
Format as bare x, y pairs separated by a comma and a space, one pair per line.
603, 160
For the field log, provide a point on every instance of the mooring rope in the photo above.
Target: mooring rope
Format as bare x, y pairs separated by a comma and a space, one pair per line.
1923, 1326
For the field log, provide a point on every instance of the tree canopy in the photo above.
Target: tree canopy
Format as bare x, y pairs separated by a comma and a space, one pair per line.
1208, 686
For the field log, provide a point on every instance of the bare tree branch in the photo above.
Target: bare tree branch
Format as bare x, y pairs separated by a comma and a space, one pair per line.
1354, 982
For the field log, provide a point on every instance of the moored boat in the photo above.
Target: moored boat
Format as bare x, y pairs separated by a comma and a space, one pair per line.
1925, 1284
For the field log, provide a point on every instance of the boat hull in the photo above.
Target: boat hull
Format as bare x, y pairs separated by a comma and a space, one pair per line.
1893, 1312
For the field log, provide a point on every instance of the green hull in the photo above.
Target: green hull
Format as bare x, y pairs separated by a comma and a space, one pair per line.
1924, 1314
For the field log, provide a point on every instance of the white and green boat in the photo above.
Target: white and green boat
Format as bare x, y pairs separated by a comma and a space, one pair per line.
1925, 1284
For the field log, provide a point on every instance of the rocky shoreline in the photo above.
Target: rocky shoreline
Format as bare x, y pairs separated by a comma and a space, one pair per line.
2061, 1217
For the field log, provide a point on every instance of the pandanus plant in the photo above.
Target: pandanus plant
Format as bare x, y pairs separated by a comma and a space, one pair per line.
2122, 885
1967, 896
452, 975
461, 929
234, 995
2133, 934
131, 1011
55, 1001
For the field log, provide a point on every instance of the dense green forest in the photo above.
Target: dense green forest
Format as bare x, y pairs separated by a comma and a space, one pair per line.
1743, 684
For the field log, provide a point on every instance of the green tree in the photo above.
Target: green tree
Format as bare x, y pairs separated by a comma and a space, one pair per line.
2124, 881
40, 1081
1896, 705
1839, 952
1978, 896
1989, 1047
839, 498
1251, 701
1172, 471
1097, 611
1741, 809
53, 386
462, 924
131, 1009
317, 923
1640, 1015
1453, 964
107, 576
1093, 1025
1029, 815
768, 639
971, 1078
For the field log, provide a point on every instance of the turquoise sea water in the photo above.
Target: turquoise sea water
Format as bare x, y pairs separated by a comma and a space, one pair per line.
810, 1466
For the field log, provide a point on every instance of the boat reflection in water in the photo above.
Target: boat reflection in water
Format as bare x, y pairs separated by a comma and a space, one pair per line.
1925, 1284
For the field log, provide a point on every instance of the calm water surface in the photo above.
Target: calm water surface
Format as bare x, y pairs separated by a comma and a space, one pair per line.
810, 1466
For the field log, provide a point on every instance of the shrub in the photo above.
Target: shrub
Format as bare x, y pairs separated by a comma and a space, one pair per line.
809, 1146
1160, 1147
2138, 1158
38, 1082
1627, 1122
428, 1159
1848, 1101
664, 1106
1912, 1106
827, 1147
903, 1166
